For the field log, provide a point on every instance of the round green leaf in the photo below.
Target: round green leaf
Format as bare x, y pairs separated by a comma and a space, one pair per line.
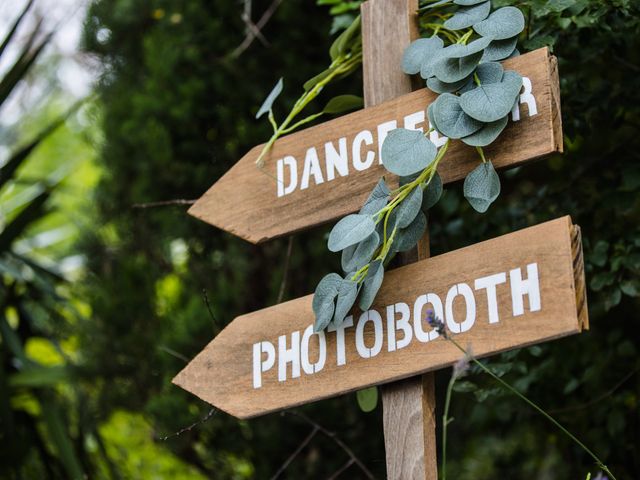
347, 293
452, 121
419, 52
324, 300
467, 3
407, 151
490, 72
367, 399
430, 116
499, 49
465, 17
343, 103
437, 86
371, 285
491, 102
506, 22
487, 134
357, 256
268, 102
482, 187
349, 231
407, 238
456, 62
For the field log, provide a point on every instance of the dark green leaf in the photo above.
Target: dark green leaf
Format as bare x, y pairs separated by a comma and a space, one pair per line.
367, 399
343, 103
345, 40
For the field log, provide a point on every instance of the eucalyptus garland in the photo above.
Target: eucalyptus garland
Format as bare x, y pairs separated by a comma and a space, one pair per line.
476, 95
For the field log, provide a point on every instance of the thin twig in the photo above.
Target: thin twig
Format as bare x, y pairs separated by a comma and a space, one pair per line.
342, 469
285, 273
164, 203
336, 440
296, 452
190, 427
248, 40
206, 302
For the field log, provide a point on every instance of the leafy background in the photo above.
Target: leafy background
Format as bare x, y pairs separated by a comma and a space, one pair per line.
174, 112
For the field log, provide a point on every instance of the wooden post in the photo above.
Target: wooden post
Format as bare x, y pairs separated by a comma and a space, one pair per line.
388, 26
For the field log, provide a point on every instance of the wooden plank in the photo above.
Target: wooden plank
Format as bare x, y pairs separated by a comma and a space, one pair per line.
245, 200
408, 406
369, 353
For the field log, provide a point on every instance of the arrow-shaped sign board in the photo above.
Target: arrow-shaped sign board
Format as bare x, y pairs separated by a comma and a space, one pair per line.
512, 291
325, 172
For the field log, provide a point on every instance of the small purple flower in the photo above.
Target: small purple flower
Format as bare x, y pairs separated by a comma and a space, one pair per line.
436, 323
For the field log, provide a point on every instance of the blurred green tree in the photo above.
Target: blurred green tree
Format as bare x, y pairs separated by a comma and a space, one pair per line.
178, 113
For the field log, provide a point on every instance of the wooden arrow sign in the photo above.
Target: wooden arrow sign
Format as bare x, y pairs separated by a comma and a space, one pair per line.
325, 172
512, 291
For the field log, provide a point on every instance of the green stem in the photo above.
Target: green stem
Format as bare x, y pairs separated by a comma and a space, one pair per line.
445, 424
344, 65
481, 153
533, 405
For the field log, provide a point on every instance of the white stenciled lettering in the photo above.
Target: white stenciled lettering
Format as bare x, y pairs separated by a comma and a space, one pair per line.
336, 161
529, 287
527, 98
308, 367
290, 162
261, 365
364, 137
394, 325
464, 290
375, 318
489, 284
412, 121
311, 168
420, 315
288, 355
383, 130
341, 356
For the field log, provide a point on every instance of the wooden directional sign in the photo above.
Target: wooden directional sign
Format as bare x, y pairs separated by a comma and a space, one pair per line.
512, 291
325, 172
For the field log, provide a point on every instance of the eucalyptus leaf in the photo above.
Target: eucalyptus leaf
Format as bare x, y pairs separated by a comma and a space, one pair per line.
407, 151
456, 62
371, 285
367, 398
347, 293
490, 72
487, 134
488, 103
468, 16
377, 199
516, 53
350, 230
343, 103
430, 116
468, 3
268, 102
357, 256
438, 86
419, 52
482, 187
324, 300
452, 121
432, 193
499, 49
407, 238
407, 210
506, 22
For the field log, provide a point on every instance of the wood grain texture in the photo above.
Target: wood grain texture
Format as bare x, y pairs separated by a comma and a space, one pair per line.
244, 201
388, 26
222, 374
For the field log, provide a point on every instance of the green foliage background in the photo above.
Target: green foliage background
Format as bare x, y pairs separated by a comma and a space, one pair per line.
177, 112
